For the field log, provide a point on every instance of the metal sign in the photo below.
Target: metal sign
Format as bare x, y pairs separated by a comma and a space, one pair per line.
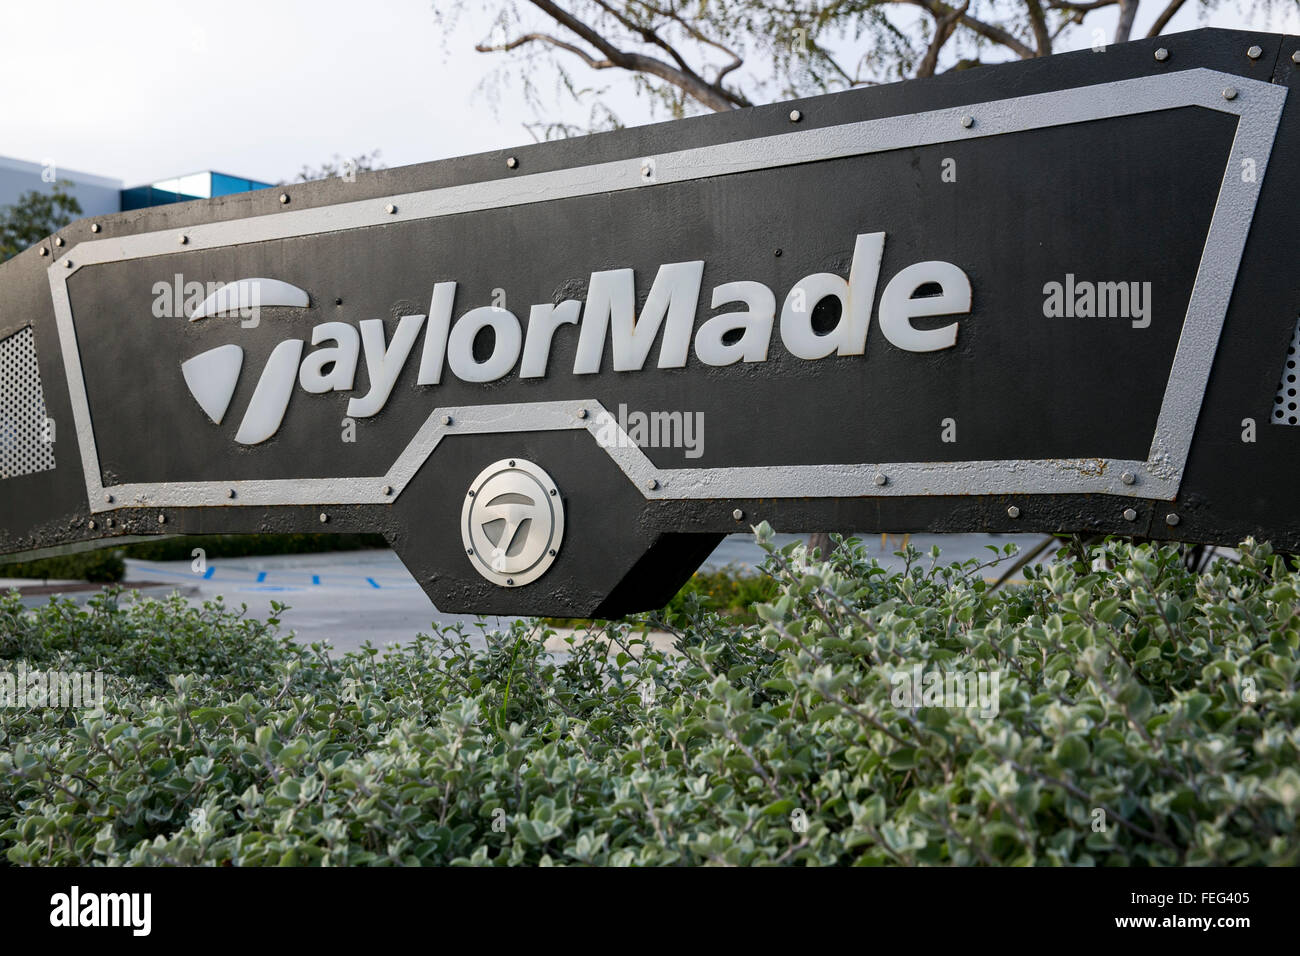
1057, 295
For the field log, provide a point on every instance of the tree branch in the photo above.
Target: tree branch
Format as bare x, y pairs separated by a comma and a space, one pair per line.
1166, 15
943, 30
1038, 23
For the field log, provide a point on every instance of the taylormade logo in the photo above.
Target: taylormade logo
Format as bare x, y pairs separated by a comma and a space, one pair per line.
742, 335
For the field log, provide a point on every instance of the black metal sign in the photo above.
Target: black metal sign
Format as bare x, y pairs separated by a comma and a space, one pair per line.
1057, 295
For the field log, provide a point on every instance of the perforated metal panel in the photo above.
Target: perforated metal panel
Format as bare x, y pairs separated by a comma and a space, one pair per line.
26, 437
1287, 403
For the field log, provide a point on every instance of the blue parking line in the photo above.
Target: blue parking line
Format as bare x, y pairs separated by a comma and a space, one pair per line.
207, 575
261, 576
315, 579
373, 584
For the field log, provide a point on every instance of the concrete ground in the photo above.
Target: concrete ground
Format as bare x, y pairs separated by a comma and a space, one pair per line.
348, 598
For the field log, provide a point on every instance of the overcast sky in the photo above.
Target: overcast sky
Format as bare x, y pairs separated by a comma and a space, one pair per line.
142, 90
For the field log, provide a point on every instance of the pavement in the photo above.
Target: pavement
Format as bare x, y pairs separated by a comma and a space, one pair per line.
351, 597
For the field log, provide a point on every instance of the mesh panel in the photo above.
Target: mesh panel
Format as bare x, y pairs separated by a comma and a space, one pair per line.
26, 441
1284, 406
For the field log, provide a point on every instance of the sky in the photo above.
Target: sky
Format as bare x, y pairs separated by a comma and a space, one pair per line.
143, 90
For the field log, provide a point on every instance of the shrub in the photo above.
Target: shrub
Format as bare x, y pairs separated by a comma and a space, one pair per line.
1146, 715
101, 566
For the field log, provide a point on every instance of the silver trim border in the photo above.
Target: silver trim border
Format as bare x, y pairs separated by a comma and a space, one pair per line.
1258, 105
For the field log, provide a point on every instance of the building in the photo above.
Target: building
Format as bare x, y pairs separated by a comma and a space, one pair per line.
101, 195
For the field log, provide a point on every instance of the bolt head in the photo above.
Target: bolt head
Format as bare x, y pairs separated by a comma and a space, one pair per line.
67, 263
390, 209
324, 518
108, 499
510, 581
1128, 477
1255, 52
183, 240
795, 116
1230, 93
58, 240
1295, 57
230, 492
967, 122
1013, 512
91, 524
95, 227
284, 199
582, 413
738, 514
162, 519
512, 163
44, 251
1172, 519
1162, 54
446, 419
652, 484
880, 480
386, 490
1130, 514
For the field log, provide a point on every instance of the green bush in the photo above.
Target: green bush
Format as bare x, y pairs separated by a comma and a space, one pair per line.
1145, 715
103, 566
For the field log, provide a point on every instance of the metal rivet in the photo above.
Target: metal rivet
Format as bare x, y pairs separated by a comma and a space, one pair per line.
1295, 57
44, 251
230, 492
1128, 477
777, 253
324, 518
647, 169
446, 419
1172, 519
510, 581
284, 198
471, 493
94, 227
1013, 512
67, 263
91, 524
108, 523
551, 552
795, 116
554, 492
967, 122
386, 490
338, 301
162, 519
108, 499
1162, 54
880, 480
183, 240
582, 413
469, 550
738, 514
390, 209
512, 463
1130, 514
512, 163
1230, 93
1255, 52
652, 484
58, 240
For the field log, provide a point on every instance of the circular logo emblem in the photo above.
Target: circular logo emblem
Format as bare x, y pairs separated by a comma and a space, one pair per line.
512, 522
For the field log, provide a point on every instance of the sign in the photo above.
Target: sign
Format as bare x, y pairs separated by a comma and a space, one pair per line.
1056, 295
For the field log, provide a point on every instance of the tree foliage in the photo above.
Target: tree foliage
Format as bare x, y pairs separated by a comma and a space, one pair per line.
35, 216
692, 55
